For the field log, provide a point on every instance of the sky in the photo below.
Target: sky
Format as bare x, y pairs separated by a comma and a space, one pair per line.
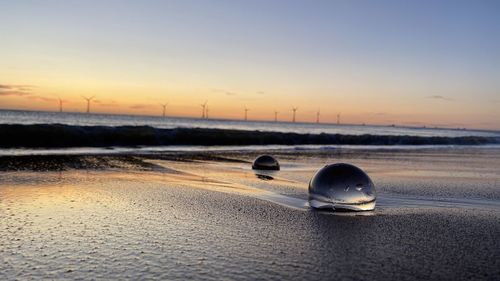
417, 63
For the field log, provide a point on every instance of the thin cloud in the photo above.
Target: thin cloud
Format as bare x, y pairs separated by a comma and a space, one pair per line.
13, 93
261, 93
17, 87
15, 90
140, 106
439, 97
26, 91
106, 103
41, 98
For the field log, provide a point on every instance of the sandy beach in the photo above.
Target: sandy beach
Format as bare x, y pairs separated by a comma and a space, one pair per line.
209, 216
250, 140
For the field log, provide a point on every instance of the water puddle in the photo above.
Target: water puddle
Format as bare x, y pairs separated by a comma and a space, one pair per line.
270, 187
219, 179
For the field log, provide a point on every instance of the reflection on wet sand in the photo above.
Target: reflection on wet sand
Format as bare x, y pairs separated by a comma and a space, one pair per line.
204, 218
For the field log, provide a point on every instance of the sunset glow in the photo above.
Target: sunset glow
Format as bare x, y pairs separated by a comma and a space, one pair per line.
392, 62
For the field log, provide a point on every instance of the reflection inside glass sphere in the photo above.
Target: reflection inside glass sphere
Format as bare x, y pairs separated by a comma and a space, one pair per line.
265, 162
342, 187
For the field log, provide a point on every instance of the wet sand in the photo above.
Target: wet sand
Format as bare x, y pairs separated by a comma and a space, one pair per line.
209, 216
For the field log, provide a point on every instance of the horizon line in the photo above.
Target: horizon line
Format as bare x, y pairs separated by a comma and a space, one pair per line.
401, 125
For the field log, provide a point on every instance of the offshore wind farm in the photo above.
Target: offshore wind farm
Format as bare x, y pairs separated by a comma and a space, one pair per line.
293, 115
273, 125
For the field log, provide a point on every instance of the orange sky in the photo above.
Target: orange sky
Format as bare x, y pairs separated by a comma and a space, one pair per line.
132, 57
185, 102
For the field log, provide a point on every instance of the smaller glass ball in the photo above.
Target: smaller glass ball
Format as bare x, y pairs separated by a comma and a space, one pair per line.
342, 187
265, 162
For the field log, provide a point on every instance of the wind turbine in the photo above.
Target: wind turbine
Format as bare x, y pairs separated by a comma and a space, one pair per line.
206, 112
276, 116
294, 109
246, 113
317, 116
164, 105
60, 104
338, 118
203, 112
88, 102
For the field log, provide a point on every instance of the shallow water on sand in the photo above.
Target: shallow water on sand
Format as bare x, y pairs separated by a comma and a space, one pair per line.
437, 216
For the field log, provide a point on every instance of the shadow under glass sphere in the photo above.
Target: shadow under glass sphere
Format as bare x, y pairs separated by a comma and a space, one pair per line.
342, 186
265, 162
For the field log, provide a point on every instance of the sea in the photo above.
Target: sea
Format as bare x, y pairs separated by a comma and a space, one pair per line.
83, 119
112, 120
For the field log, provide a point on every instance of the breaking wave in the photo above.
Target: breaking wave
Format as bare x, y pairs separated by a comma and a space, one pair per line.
58, 135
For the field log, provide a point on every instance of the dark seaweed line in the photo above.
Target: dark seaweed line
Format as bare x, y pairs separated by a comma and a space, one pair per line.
58, 135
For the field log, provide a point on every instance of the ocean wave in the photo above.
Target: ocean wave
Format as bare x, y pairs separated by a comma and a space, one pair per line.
58, 135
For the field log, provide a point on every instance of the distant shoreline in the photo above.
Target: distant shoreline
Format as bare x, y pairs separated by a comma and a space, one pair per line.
60, 136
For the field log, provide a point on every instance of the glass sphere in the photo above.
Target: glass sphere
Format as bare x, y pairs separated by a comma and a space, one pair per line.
342, 187
265, 162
